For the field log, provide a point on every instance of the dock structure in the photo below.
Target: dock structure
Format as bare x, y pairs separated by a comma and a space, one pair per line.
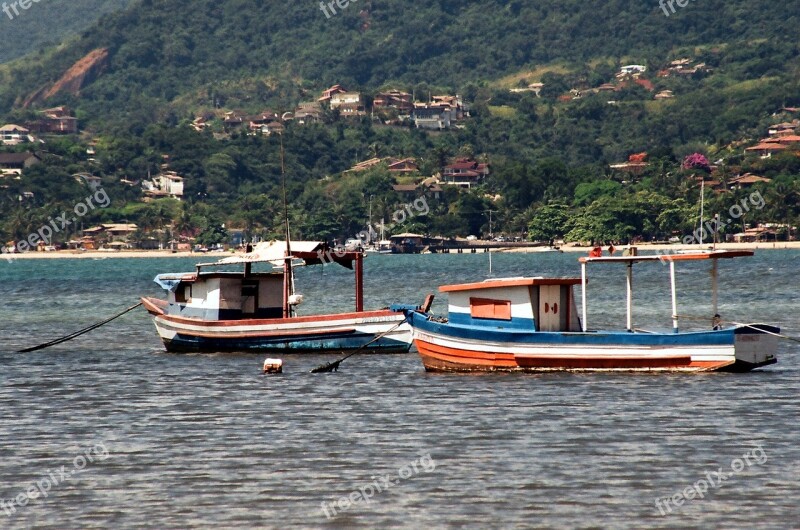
416, 244
476, 247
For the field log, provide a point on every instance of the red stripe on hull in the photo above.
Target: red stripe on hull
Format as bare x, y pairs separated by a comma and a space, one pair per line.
437, 358
224, 334
294, 320
603, 363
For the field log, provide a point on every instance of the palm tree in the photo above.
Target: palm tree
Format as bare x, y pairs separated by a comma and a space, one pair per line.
183, 224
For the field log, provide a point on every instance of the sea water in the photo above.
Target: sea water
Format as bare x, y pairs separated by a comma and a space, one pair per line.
111, 431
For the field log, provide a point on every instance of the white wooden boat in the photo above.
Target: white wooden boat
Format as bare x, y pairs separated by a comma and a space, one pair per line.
213, 310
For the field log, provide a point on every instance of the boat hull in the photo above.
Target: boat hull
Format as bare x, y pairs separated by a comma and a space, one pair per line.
311, 334
445, 347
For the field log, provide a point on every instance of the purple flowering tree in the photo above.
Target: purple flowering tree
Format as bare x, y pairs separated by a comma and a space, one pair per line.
696, 161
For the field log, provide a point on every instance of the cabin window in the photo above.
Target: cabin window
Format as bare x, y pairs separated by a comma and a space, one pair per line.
183, 294
249, 296
488, 308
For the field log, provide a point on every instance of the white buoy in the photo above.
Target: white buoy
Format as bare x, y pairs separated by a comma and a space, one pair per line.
273, 366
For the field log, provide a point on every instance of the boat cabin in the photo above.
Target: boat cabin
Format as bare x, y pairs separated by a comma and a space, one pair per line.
235, 295
220, 295
538, 304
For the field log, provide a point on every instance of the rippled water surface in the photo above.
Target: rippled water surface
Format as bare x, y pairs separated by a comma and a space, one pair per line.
151, 439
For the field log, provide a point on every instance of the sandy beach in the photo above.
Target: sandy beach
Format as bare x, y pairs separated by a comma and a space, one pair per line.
213, 256
96, 254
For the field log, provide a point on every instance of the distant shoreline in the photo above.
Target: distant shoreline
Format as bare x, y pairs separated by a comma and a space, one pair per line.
93, 254
644, 247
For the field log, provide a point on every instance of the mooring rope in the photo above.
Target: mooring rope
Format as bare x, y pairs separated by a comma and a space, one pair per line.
751, 326
79, 332
334, 366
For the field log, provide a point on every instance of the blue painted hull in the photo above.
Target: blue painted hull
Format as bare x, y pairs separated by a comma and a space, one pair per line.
277, 345
444, 346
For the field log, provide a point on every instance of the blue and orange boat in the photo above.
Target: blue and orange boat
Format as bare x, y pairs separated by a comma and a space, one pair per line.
533, 325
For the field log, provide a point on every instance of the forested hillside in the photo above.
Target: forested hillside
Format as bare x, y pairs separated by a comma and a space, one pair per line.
161, 50
167, 64
46, 23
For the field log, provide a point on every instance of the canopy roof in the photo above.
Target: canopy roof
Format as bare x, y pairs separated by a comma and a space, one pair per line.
509, 282
274, 252
690, 255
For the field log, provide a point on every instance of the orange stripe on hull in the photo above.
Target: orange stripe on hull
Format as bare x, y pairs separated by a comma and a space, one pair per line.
442, 358
461, 358
710, 366
604, 363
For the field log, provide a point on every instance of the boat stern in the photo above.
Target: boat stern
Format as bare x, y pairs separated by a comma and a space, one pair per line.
755, 346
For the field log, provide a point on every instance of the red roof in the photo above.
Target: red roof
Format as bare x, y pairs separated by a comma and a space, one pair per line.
463, 165
749, 179
774, 146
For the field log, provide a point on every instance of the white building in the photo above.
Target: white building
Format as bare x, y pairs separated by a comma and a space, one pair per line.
633, 69
167, 184
14, 134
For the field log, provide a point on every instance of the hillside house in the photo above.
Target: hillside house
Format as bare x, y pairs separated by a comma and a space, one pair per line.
784, 128
748, 180
464, 173
307, 112
90, 180
58, 120
109, 233
453, 103
784, 139
432, 118
766, 149
12, 134
12, 164
167, 184
393, 99
350, 104
267, 129
329, 93
366, 164
404, 166
632, 69
233, 120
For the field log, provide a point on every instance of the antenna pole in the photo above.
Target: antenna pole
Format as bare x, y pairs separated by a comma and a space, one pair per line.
702, 204
287, 260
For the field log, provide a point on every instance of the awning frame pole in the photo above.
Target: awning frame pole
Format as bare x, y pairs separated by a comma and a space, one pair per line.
583, 297
674, 296
629, 278
714, 288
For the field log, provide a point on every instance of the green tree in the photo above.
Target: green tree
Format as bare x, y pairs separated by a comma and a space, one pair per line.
548, 222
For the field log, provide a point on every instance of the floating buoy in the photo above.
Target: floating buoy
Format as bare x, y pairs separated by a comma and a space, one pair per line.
273, 366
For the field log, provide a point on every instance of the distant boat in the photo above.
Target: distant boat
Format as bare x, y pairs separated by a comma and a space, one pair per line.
533, 325
546, 249
213, 310
381, 247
